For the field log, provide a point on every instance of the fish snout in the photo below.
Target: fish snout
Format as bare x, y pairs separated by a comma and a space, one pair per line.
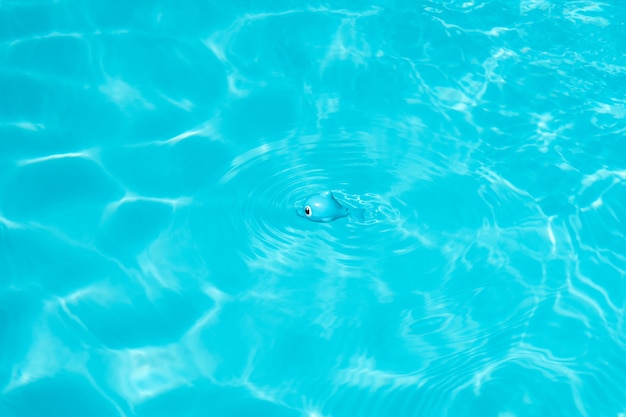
299, 207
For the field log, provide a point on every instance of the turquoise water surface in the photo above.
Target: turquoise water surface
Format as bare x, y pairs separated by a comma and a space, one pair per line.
152, 263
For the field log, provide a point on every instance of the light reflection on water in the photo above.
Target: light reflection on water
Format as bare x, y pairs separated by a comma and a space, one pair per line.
151, 262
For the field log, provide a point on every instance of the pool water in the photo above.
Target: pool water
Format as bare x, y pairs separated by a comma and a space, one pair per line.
152, 262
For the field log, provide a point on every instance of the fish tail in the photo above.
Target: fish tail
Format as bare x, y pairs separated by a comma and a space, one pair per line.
357, 214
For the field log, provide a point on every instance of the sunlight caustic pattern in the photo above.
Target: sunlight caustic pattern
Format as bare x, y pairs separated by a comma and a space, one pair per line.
151, 263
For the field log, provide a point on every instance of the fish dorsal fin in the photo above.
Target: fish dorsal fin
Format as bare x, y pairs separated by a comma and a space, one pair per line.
327, 194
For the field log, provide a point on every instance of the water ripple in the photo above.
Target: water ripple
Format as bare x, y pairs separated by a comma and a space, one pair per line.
263, 184
152, 260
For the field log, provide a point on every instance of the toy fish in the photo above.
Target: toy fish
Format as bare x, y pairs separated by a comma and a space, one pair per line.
325, 208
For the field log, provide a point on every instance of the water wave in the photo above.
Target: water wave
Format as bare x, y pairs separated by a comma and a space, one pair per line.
263, 184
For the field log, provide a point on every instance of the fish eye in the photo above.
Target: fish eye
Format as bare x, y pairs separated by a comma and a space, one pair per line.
307, 211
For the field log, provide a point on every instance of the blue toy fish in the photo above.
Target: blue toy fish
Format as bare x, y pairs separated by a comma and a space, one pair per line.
325, 208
